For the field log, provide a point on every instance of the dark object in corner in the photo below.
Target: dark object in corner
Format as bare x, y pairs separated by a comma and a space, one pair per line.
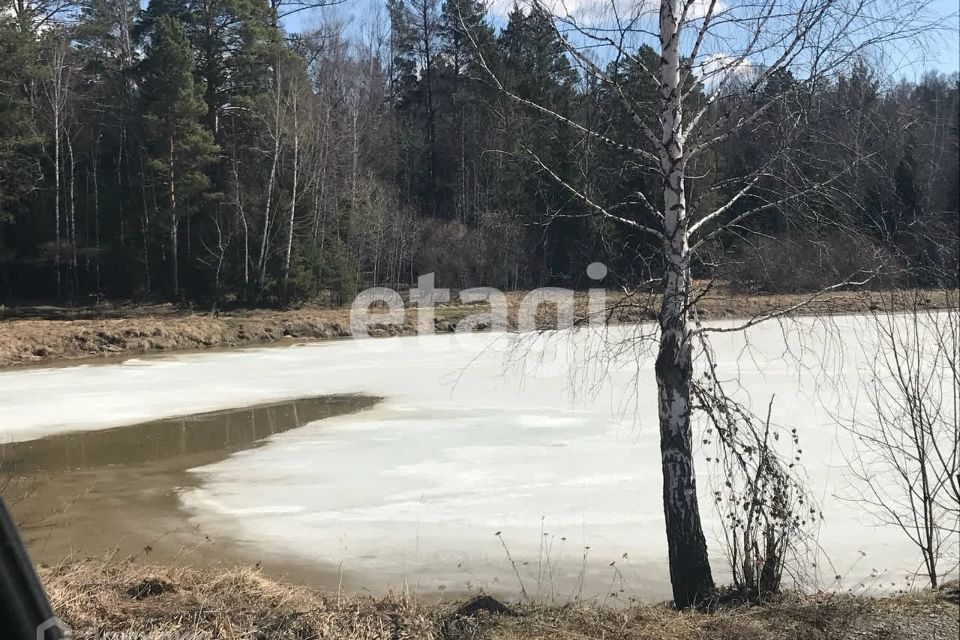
482, 603
149, 587
25, 613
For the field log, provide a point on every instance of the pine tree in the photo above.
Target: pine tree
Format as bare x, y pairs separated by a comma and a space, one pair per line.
233, 41
533, 65
611, 171
105, 41
18, 131
466, 123
464, 30
415, 28
172, 106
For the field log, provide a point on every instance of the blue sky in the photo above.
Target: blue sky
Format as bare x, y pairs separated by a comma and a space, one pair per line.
943, 53
949, 59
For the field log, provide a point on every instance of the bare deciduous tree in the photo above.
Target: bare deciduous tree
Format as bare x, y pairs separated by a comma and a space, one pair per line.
906, 455
56, 88
722, 66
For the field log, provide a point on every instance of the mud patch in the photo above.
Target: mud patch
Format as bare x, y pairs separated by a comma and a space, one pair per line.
113, 492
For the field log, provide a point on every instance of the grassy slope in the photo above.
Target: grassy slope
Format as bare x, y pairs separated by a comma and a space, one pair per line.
47, 334
241, 603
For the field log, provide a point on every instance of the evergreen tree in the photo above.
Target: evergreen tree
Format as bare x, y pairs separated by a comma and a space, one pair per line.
347, 165
105, 40
465, 35
416, 27
233, 41
172, 106
533, 65
18, 133
614, 171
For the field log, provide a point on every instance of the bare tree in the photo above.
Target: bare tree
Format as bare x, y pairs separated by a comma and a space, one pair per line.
216, 255
905, 458
56, 87
721, 68
273, 117
283, 8
295, 102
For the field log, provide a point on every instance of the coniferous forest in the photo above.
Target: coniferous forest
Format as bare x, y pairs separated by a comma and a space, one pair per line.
205, 151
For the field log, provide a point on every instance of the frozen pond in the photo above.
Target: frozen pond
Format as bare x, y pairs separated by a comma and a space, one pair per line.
477, 435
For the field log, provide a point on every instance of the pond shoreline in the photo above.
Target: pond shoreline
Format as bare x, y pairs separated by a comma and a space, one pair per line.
43, 336
415, 489
114, 493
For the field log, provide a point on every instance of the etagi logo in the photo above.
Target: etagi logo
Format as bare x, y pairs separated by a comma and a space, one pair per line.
53, 629
378, 308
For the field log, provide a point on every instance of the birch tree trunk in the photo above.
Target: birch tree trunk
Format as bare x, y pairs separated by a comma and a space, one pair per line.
238, 202
56, 87
72, 216
264, 241
120, 213
321, 177
690, 573
145, 223
174, 268
94, 159
293, 195
735, 58
56, 188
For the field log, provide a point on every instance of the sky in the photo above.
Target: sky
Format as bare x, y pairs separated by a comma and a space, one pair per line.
942, 53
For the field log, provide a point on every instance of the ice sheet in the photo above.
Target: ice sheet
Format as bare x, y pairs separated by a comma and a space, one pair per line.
538, 440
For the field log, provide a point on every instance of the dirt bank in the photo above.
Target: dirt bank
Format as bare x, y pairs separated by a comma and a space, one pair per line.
107, 600
32, 335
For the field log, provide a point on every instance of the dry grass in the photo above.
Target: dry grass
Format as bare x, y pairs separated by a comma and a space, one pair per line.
157, 602
46, 334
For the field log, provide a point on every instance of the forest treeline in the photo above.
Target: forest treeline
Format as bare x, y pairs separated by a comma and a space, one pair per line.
196, 150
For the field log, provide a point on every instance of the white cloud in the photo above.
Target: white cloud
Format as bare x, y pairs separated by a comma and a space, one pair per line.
717, 68
597, 12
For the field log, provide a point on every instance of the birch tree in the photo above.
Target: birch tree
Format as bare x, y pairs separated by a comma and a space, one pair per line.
751, 58
56, 88
773, 133
296, 104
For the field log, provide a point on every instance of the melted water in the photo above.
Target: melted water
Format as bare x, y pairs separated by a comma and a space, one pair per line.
113, 492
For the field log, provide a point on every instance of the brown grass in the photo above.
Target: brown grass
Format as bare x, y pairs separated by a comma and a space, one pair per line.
163, 602
47, 334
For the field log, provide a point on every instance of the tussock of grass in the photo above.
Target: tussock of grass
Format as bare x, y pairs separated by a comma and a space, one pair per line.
167, 602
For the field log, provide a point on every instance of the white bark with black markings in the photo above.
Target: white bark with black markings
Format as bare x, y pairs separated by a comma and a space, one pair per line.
735, 49
689, 567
